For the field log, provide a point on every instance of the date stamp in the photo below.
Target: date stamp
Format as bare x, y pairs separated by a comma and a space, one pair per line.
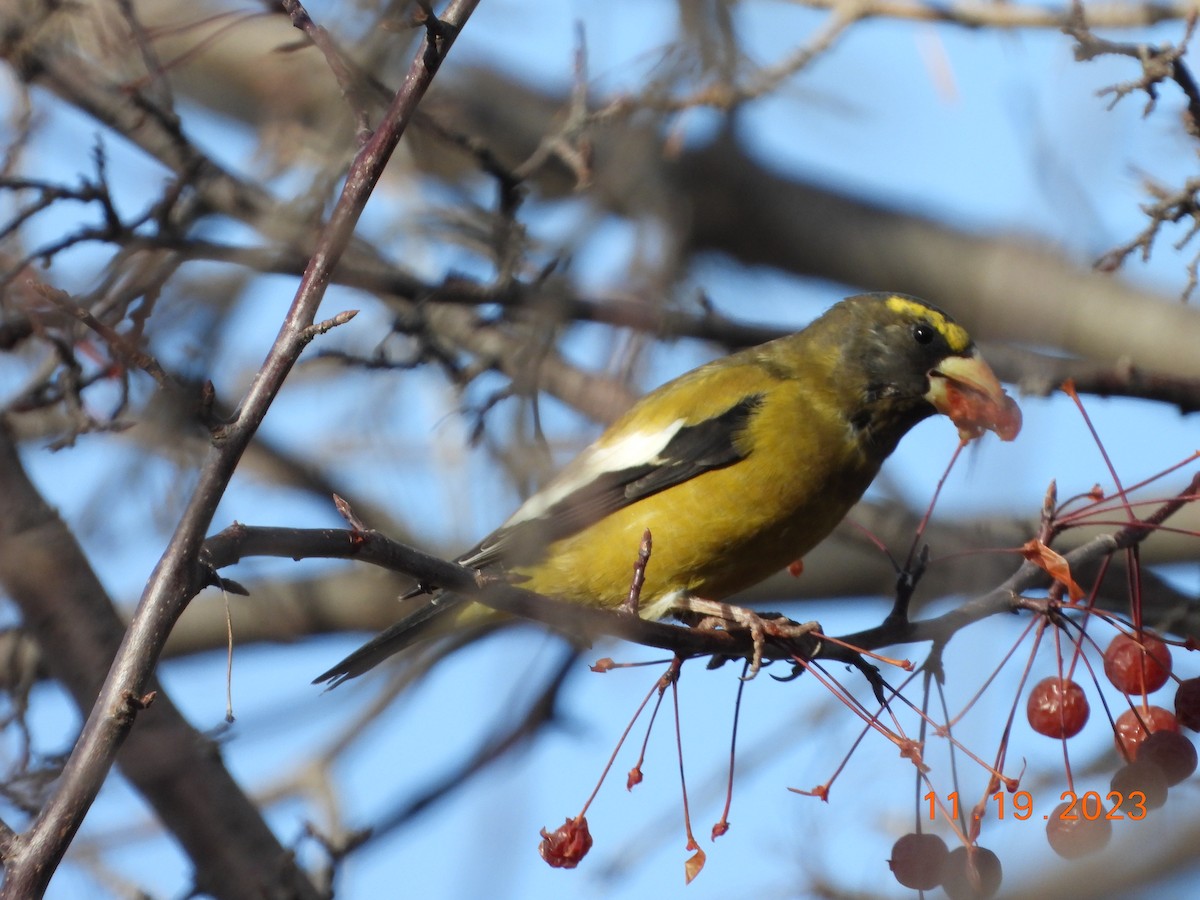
1091, 805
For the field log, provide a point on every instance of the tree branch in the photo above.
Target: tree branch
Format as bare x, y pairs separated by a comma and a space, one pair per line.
176, 769
584, 623
176, 578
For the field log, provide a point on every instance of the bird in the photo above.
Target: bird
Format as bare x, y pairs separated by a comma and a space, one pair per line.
737, 468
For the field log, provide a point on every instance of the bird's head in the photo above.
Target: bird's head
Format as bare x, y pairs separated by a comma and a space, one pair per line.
912, 360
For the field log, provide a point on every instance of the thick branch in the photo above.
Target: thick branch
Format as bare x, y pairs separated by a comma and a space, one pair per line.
176, 769
175, 579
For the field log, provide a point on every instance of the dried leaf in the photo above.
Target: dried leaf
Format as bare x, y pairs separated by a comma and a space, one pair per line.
694, 864
1054, 565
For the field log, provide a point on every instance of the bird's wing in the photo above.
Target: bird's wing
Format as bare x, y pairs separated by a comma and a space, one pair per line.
612, 475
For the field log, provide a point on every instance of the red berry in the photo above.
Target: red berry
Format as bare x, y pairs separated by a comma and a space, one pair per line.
971, 873
1057, 708
566, 845
1077, 828
917, 860
1187, 703
1139, 777
1172, 752
1133, 725
1137, 665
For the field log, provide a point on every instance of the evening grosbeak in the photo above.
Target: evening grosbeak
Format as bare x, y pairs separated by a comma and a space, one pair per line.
737, 468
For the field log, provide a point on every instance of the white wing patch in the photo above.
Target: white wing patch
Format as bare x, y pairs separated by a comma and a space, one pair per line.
627, 452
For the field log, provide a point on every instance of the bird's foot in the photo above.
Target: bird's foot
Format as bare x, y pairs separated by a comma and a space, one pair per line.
714, 614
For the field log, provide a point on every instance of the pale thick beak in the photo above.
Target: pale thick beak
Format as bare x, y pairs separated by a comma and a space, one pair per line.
965, 389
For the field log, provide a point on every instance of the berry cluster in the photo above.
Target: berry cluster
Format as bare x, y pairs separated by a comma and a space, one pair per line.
1156, 755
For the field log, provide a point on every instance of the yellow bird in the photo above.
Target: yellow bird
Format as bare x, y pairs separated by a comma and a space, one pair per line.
737, 468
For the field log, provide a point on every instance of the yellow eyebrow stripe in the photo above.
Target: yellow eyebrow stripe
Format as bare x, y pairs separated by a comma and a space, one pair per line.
956, 336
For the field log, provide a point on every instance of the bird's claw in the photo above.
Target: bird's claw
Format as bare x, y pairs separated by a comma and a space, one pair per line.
714, 614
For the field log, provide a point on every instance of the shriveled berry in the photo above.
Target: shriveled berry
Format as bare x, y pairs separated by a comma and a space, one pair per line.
567, 845
1172, 752
1140, 776
1057, 707
1133, 725
1187, 703
1137, 664
1078, 828
917, 860
971, 873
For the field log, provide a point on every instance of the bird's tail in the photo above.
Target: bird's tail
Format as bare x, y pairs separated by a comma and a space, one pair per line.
438, 615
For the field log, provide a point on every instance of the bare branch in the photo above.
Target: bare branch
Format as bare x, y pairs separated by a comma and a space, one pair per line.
241, 541
44, 570
175, 580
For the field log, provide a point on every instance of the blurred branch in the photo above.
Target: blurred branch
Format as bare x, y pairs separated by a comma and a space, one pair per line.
1016, 15
727, 93
1040, 375
1159, 64
78, 631
29, 868
1001, 288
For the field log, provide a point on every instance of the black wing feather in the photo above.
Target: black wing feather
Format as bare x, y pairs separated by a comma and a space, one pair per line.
412, 628
707, 445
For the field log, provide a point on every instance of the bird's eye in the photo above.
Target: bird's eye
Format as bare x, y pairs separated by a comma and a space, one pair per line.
923, 332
